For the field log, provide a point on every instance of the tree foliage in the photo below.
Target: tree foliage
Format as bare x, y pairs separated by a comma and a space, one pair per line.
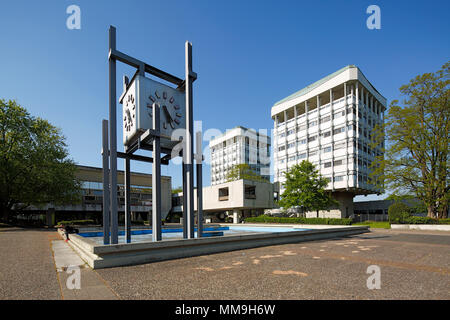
398, 212
417, 142
34, 168
244, 171
305, 188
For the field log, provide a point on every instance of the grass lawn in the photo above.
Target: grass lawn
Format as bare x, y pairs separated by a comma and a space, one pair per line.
374, 224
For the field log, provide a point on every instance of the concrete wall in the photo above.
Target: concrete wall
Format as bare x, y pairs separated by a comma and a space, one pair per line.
343, 210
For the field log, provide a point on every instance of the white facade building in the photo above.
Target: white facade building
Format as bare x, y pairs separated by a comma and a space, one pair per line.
330, 123
237, 146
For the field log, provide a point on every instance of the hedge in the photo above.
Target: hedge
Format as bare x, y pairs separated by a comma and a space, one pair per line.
75, 222
423, 220
295, 220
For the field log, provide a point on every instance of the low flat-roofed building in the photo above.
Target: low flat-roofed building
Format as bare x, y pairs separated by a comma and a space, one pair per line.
241, 198
91, 202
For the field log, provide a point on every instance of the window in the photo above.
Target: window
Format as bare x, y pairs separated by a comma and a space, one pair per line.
301, 127
338, 114
313, 153
303, 141
327, 164
326, 134
291, 131
282, 148
292, 158
340, 145
291, 145
223, 194
337, 162
250, 192
326, 149
313, 138
301, 156
338, 178
324, 119
312, 123
339, 130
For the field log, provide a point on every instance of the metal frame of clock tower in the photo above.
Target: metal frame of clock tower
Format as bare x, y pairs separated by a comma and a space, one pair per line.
149, 140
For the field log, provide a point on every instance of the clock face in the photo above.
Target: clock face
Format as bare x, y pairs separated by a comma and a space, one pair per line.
138, 102
170, 110
129, 116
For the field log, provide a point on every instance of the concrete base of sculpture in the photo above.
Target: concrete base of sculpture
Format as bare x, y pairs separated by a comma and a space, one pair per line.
99, 256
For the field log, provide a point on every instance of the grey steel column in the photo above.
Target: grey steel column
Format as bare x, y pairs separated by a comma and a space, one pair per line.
105, 157
184, 197
127, 201
156, 177
113, 137
189, 143
199, 159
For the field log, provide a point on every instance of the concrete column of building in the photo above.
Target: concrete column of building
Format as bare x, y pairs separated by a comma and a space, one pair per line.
332, 137
236, 218
346, 134
296, 138
358, 111
319, 144
275, 148
50, 217
367, 100
307, 129
285, 140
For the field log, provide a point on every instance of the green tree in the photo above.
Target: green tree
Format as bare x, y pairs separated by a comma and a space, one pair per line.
34, 168
244, 171
398, 212
415, 160
305, 188
177, 190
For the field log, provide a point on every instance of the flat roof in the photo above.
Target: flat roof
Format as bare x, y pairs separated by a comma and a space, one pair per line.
239, 127
96, 169
351, 71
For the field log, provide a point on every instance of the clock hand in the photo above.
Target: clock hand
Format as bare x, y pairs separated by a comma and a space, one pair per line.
169, 117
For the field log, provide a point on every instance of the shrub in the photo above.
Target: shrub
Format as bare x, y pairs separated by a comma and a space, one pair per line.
75, 222
398, 212
301, 220
425, 220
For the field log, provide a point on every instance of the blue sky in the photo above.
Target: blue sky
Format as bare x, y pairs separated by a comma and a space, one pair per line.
247, 54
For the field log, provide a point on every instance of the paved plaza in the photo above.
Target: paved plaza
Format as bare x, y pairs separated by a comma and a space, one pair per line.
413, 265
